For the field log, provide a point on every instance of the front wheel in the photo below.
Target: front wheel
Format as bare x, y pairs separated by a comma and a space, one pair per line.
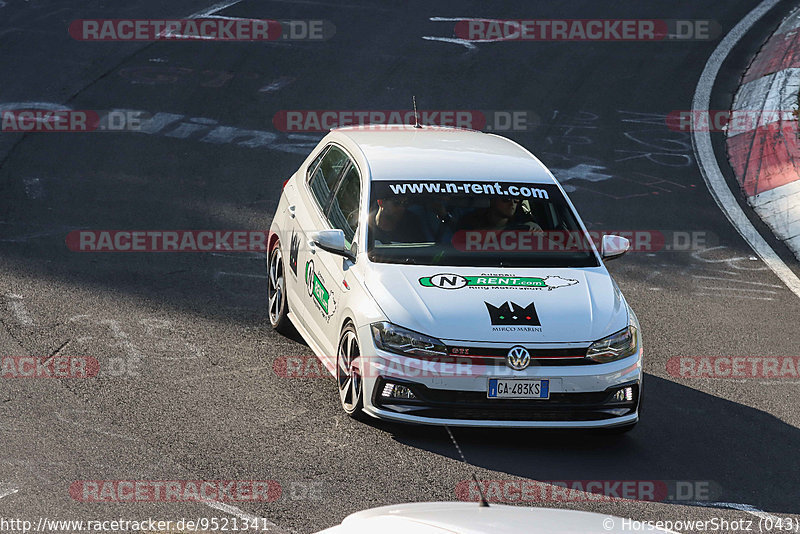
348, 373
276, 291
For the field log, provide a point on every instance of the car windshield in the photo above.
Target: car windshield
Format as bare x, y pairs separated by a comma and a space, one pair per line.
490, 224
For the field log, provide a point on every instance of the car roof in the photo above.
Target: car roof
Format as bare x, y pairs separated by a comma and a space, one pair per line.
469, 518
439, 153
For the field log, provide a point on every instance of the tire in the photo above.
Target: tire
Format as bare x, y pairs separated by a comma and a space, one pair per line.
348, 375
277, 303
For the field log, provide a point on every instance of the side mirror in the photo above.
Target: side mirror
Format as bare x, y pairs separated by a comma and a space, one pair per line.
332, 241
614, 246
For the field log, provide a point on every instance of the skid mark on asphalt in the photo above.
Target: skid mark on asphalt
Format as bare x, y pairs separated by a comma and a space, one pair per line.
740, 263
46, 232
734, 506
720, 272
240, 255
740, 281
239, 284
80, 419
224, 373
33, 188
163, 340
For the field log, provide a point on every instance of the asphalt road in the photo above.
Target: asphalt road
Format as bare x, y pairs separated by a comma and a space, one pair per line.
195, 395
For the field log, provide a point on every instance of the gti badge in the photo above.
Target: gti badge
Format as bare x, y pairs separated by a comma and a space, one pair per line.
518, 358
512, 313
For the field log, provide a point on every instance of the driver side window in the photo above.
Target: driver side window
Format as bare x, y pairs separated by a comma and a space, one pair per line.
344, 210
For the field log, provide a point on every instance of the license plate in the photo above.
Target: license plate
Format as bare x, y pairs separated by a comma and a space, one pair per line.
518, 388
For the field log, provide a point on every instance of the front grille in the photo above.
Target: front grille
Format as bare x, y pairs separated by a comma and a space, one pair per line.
539, 357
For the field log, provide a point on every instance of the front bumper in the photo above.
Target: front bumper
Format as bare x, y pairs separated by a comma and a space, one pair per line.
581, 396
578, 408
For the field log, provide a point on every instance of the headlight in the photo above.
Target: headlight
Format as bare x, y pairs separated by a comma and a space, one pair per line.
393, 338
615, 347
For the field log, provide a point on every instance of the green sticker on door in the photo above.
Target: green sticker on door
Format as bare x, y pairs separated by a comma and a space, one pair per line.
322, 297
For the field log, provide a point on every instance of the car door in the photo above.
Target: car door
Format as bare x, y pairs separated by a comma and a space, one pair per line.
298, 208
314, 197
326, 273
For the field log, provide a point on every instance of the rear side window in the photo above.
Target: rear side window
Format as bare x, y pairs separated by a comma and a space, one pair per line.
343, 213
314, 163
323, 180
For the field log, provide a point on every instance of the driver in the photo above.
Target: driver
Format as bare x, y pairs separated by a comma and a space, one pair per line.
392, 222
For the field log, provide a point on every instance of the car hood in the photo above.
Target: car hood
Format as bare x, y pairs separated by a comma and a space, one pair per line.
469, 518
544, 305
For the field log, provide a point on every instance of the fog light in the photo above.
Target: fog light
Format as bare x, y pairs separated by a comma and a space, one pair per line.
624, 394
402, 392
397, 391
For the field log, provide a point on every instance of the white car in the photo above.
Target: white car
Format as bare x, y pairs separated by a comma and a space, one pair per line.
469, 518
435, 273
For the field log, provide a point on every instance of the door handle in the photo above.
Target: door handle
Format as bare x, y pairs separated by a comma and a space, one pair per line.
291, 211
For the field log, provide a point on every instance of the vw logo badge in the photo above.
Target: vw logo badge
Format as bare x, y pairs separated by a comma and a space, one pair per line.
518, 358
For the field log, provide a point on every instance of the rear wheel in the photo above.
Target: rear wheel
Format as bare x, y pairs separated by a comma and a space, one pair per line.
348, 373
276, 291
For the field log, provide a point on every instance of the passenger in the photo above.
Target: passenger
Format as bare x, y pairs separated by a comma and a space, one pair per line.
498, 216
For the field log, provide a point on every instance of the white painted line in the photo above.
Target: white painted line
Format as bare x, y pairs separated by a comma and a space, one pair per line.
222, 17
462, 42
18, 308
459, 19
469, 43
6, 490
241, 514
706, 160
219, 6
